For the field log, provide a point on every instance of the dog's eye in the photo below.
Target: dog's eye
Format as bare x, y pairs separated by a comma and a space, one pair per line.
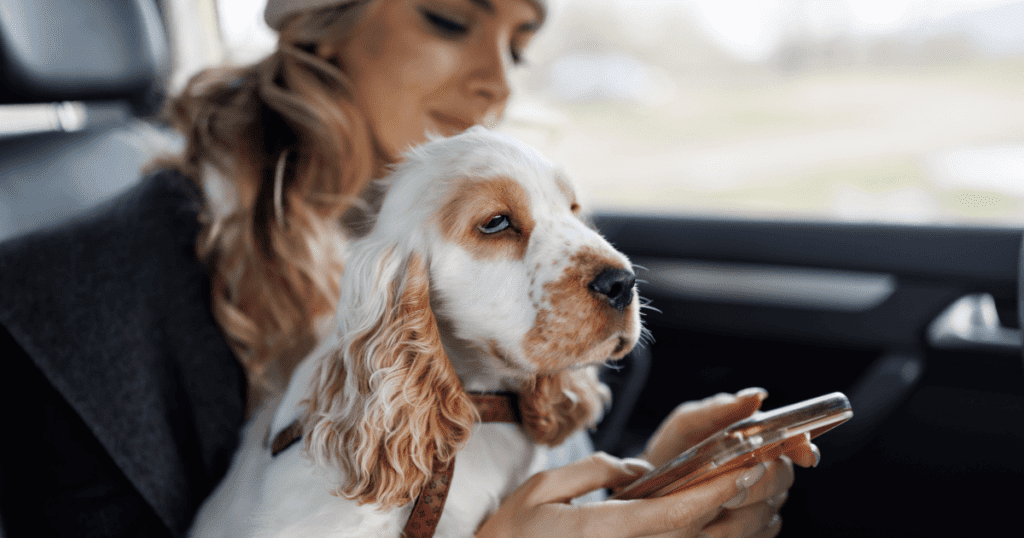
496, 224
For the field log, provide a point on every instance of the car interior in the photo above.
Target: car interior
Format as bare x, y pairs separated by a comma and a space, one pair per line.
81, 81
917, 324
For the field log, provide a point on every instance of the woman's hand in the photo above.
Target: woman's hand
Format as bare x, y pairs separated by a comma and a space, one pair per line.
692, 422
541, 508
742, 503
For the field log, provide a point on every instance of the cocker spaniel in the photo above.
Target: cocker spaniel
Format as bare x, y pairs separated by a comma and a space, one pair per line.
478, 280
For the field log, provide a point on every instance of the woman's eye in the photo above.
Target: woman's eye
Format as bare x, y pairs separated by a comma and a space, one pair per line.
445, 24
496, 224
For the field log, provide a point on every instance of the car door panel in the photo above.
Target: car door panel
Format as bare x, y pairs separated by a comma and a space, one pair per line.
805, 308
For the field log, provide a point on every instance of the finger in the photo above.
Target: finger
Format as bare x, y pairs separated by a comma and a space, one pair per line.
681, 533
635, 469
712, 414
778, 501
771, 530
699, 523
593, 472
690, 508
776, 477
692, 422
742, 522
802, 451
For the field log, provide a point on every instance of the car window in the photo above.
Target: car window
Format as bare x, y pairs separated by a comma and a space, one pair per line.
857, 110
246, 37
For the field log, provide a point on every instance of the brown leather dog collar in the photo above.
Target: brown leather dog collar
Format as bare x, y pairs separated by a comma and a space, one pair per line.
426, 512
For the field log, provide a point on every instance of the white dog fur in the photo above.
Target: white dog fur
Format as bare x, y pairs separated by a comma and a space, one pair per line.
440, 288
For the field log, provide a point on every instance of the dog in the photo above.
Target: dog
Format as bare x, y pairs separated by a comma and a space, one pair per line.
480, 275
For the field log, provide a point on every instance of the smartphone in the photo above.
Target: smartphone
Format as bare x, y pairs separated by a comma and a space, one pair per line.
760, 437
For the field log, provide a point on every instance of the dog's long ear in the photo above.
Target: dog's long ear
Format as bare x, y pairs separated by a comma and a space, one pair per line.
558, 405
387, 404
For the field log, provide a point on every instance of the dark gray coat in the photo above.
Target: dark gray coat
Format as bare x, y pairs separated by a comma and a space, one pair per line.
125, 401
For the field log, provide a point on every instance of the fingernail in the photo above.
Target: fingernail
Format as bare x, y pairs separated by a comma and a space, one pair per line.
778, 500
737, 500
744, 482
775, 522
637, 466
751, 477
817, 454
753, 391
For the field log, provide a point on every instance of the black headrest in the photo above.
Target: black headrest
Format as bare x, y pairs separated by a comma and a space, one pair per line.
71, 50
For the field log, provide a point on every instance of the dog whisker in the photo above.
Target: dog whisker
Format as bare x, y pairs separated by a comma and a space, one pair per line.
612, 365
649, 307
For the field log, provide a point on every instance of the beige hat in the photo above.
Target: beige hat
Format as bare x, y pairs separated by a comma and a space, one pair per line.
278, 10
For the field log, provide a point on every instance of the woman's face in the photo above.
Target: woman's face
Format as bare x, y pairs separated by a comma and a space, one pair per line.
440, 66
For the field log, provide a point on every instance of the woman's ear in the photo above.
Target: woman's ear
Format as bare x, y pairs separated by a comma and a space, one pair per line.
387, 405
560, 404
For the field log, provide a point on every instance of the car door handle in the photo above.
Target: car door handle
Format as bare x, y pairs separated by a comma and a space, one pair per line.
972, 323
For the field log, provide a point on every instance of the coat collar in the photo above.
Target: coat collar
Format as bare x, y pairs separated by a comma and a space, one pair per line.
114, 309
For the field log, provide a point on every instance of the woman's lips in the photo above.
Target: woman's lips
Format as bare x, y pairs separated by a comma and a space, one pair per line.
451, 124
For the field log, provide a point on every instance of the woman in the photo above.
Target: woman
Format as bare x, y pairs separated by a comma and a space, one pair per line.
282, 153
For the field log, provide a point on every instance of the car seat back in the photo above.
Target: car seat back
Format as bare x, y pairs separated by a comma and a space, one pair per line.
77, 80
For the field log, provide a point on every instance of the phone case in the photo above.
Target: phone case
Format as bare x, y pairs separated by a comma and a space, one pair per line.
760, 437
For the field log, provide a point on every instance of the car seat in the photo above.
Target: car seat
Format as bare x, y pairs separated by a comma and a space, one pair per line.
77, 80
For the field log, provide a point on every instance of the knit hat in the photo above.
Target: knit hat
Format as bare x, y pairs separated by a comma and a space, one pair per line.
279, 10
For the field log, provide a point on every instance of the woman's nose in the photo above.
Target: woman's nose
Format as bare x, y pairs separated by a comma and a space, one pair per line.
489, 78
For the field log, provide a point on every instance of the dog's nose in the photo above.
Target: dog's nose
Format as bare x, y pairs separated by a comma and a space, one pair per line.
616, 285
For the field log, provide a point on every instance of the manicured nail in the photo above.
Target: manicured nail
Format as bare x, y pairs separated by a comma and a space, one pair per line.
744, 482
751, 477
778, 500
753, 391
736, 501
817, 454
637, 467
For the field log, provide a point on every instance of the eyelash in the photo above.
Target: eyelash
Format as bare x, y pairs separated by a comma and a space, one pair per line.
453, 28
444, 24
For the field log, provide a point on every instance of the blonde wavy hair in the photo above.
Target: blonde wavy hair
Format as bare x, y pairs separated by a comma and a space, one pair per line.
295, 154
